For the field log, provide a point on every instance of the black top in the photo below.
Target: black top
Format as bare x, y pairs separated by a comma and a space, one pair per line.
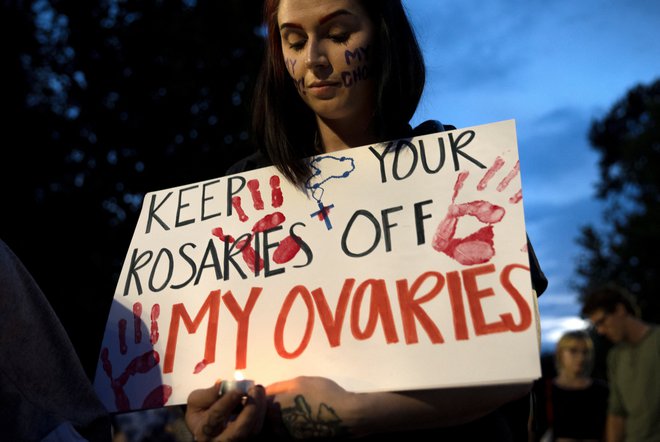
571, 413
509, 422
579, 414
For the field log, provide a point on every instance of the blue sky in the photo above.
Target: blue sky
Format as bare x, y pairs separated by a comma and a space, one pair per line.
554, 66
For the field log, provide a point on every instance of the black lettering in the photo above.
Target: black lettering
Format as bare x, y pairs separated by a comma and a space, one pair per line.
231, 192
344, 238
229, 256
381, 160
133, 268
191, 263
387, 226
425, 165
170, 270
269, 245
456, 148
181, 206
303, 245
419, 220
205, 199
212, 254
413, 164
152, 212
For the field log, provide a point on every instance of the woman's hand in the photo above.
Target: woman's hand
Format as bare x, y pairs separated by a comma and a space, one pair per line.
316, 407
310, 407
213, 418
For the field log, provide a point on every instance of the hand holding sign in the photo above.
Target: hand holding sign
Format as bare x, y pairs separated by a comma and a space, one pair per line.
463, 297
310, 407
209, 415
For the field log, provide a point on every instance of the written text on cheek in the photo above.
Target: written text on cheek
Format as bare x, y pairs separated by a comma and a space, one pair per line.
362, 307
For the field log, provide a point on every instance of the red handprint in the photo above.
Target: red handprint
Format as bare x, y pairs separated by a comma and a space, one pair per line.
141, 364
478, 247
287, 248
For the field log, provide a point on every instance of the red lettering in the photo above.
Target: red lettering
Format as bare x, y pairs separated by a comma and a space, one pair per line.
332, 325
523, 307
412, 299
457, 306
474, 296
242, 317
411, 308
379, 307
282, 317
179, 312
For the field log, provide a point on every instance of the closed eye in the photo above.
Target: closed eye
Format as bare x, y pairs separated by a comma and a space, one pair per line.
298, 45
340, 38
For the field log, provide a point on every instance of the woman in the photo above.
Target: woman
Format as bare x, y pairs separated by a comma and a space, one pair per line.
339, 74
576, 403
312, 96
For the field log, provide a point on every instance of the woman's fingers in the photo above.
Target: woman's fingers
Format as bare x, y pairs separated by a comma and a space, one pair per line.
251, 418
204, 397
233, 416
220, 413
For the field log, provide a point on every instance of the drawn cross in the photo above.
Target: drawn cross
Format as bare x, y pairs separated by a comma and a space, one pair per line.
324, 214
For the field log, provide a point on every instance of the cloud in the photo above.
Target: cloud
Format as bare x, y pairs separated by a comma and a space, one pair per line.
553, 328
553, 67
467, 50
518, 59
558, 166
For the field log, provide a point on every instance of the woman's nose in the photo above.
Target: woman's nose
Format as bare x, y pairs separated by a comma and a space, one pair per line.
316, 56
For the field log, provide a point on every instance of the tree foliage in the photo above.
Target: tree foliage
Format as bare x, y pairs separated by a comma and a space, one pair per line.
107, 100
625, 248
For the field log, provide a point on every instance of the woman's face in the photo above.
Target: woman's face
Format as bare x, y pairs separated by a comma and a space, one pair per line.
326, 46
575, 357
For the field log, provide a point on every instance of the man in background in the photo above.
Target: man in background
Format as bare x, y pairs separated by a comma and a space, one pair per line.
633, 364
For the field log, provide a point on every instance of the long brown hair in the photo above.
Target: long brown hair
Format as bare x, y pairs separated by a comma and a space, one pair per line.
284, 128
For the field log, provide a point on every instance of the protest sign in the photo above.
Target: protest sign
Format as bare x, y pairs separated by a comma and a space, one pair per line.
401, 265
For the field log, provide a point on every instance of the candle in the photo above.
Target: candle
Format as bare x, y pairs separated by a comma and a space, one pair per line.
239, 383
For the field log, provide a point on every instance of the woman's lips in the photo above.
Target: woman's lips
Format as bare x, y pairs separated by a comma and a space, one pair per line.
323, 89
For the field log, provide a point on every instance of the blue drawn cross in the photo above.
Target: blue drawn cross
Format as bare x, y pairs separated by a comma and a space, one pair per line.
324, 214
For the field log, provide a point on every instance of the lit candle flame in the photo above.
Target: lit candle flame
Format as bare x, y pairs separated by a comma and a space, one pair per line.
238, 375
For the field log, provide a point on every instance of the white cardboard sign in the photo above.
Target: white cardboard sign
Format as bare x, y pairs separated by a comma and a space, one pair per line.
403, 265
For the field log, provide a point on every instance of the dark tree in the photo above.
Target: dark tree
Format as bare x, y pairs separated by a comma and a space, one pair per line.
626, 248
107, 100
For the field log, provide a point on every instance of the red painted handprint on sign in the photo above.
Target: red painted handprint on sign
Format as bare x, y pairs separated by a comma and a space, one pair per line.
142, 364
478, 247
286, 249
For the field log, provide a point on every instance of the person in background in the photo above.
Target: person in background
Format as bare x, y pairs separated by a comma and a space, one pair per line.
45, 394
575, 404
633, 364
339, 74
